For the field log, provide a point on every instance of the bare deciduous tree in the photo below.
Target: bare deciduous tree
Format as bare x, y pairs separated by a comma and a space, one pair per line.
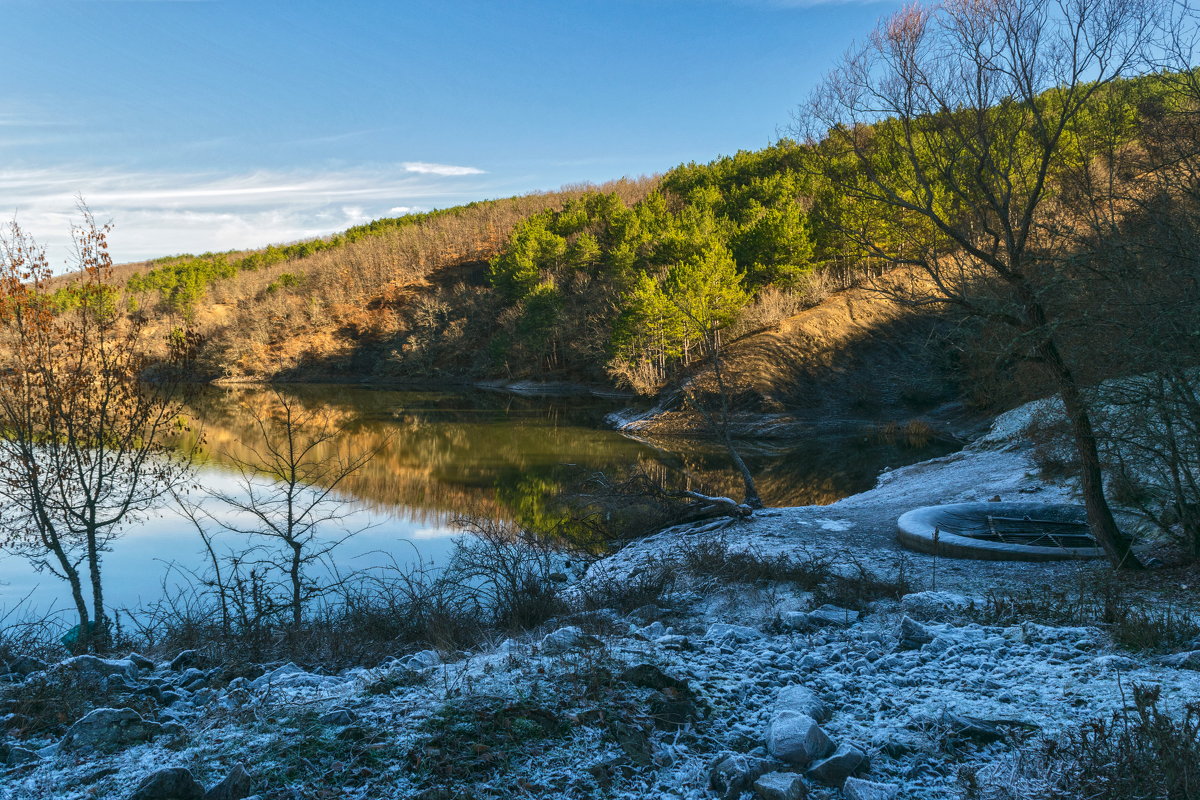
84, 445
953, 131
287, 492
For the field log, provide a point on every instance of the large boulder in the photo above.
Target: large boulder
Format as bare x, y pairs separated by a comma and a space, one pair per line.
174, 783
109, 729
797, 739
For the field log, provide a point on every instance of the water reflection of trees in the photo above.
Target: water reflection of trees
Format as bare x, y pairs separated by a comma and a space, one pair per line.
494, 455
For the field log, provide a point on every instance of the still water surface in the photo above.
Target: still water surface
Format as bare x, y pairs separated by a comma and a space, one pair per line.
441, 455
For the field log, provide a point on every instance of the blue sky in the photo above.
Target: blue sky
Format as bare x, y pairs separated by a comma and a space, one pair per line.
214, 124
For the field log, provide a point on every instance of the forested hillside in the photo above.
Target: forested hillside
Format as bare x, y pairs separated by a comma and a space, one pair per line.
622, 284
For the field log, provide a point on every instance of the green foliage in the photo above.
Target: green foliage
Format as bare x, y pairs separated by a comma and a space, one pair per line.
597, 279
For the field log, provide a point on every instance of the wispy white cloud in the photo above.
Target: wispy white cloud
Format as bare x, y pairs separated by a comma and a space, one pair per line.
159, 213
426, 168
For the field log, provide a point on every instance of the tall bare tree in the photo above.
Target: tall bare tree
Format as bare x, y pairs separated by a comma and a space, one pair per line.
85, 445
951, 132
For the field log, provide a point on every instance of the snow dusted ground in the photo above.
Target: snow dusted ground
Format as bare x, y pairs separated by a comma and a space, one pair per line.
731, 648
861, 529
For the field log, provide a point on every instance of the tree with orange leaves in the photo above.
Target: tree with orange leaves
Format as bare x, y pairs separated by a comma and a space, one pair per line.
84, 443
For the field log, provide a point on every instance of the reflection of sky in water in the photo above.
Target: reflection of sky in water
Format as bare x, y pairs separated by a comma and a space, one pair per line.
165, 547
438, 454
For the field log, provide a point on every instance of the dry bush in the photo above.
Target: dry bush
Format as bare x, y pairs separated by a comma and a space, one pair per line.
1144, 753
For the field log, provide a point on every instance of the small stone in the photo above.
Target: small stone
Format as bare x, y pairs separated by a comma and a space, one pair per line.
845, 761
963, 727
731, 774
175, 783
235, 786
913, 635
338, 716
781, 786
858, 789
802, 700
797, 739
109, 729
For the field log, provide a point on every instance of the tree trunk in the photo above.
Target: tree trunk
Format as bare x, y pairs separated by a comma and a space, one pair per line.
99, 633
297, 588
751, 488
1104, 528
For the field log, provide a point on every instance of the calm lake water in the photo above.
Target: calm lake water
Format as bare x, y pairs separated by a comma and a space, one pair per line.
441, 455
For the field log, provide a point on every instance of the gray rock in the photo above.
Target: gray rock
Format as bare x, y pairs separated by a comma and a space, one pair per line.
832, 615
738, 633
109, 729
781, 786
978, 730
338, 716
934, 605
649, 676
25, 665
192, 679
795, 620
731, 774
141, 661
235, 786
423, 660
566, 639
797, 739
1189, 660
913, 634
845, 761
187, 658
292, 676
175, 783
802, 700
12, 755
95, 669
858, 789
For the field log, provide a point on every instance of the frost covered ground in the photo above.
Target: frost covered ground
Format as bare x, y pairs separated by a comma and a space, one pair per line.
678, 699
